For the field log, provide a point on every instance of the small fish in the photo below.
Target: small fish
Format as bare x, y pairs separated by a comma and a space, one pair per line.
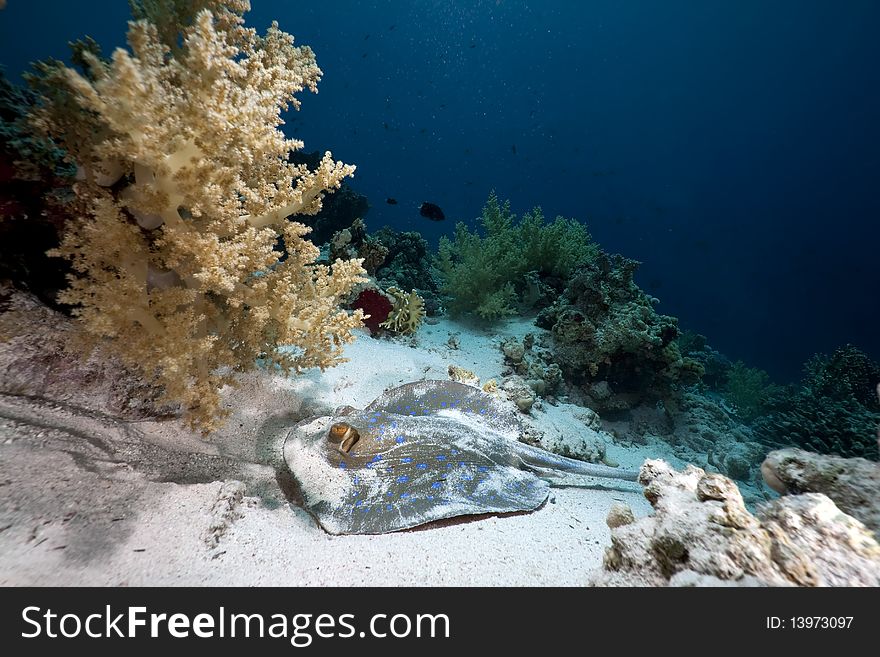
431, 211
513, 149
391, 201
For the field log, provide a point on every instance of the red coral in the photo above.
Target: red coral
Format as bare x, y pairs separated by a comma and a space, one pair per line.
374, 304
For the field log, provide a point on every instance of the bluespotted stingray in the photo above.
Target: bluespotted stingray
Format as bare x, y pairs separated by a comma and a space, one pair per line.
422, 452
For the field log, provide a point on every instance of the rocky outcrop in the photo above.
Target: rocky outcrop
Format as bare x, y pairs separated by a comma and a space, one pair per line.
852, 484
605, 329
702, 534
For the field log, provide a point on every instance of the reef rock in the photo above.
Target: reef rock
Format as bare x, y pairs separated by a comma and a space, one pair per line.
702, 534
542, 375
853, 484
567, 432
605, 328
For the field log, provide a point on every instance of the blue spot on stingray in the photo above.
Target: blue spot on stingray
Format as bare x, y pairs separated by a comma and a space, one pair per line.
483, 468
400, 440
388, 507
454, 452
394, 425
378, 457
436, 484
482, 411
402, 479
342, 465
442, 404
372, 420
441, 457
406, 459
403, 496
422, 466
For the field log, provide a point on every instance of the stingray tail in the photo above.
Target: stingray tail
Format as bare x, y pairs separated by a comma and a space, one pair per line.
548, 462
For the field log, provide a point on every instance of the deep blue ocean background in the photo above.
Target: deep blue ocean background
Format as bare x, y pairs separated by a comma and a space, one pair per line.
731, 146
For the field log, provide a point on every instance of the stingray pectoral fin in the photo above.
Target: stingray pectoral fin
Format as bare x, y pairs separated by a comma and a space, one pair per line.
552, 465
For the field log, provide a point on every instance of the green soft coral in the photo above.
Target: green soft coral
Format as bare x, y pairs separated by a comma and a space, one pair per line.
480, 272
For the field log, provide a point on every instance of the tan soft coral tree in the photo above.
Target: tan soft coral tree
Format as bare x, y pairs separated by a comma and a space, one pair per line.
186, 187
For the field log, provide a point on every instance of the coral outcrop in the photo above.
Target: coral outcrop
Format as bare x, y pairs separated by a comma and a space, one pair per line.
184, 189
853, 484
407, 265
354, 242
34, 188
340, 208
532, 363
835, 410
702, 534
605, 329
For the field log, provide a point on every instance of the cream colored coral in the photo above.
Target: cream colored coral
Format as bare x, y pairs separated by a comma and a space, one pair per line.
178, 266
407, 313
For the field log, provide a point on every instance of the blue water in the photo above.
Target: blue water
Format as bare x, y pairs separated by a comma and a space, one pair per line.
733, 147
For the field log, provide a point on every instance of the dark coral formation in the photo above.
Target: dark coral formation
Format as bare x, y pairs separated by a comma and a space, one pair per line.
407, 264
716, 366
34, 195
339, 209
353, 242
834, 411
605, 329
846, 374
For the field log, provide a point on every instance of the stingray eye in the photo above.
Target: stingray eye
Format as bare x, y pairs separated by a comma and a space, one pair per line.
344, 434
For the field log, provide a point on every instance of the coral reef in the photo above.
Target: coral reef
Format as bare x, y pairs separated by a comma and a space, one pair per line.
848, 373
852, 484
407, 264
34, 191
534, 365
480, 274
702, 534
339, 209
821, 424
748, 389
407, 313
186, 186
715, 364
835, 410
605, 329
353, 242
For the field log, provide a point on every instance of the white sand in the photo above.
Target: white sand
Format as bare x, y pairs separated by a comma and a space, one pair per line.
163, 507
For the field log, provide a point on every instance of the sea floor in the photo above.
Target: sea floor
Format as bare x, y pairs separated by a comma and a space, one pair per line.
89, 500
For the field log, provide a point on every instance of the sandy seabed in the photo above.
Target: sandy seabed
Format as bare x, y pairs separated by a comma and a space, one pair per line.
89, 500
